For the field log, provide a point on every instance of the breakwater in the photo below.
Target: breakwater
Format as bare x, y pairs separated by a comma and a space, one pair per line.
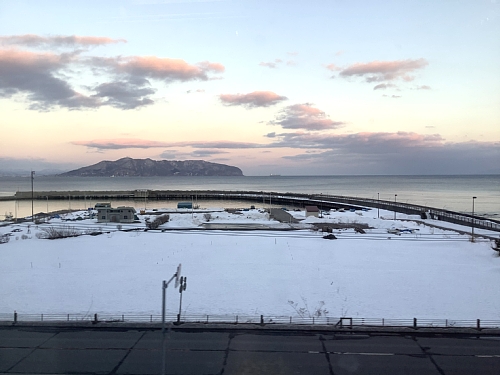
323, 201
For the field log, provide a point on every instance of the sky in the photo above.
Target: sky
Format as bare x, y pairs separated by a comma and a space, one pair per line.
348, 87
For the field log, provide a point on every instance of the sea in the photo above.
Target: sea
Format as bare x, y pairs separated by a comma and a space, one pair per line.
454, 193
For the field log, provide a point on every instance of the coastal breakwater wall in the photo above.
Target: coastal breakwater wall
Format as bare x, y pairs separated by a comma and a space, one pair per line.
323, 201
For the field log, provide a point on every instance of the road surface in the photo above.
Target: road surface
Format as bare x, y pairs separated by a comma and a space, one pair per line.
64, 350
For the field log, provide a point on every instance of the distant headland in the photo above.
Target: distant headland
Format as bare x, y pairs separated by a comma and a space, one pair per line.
152, 168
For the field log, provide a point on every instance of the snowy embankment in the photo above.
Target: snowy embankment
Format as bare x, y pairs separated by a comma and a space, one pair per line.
424, 272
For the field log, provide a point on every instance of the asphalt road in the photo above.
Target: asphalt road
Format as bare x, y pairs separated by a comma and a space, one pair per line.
50, 350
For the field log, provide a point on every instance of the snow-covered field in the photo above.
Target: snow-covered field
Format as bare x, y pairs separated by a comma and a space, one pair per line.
426, 272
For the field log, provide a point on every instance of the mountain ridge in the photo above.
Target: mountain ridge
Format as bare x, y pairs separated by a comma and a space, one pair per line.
154, 168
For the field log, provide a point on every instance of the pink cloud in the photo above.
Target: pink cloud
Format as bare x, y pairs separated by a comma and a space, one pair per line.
36, 75
45, 78
304, 116
220, 144
114, 144
214, 67
45, 60
400, 139
32, 40
252, 100
383, 86
164, 68
122, 143
333, 67
364, 142
379, 71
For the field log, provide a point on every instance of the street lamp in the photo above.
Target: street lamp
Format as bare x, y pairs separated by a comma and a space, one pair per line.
395, 195
473, 198
32, 178
378, 206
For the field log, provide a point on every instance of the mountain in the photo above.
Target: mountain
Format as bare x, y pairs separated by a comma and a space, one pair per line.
151, 168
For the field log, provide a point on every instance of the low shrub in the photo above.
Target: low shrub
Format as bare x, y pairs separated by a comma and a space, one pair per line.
52, 233
157, 222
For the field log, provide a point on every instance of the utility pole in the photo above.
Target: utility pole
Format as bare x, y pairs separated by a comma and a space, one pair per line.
378, 206
32, 178
395, 196
473, 198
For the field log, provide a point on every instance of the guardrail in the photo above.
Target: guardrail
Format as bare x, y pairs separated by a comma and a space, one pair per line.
252, 319
329, 201
334, 201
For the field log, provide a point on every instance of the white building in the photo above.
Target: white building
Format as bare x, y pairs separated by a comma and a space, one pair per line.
115, 215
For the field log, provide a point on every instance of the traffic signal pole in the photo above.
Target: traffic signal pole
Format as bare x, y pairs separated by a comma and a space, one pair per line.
164, 284
182, 287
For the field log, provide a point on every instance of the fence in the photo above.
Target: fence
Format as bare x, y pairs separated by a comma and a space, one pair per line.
253, 319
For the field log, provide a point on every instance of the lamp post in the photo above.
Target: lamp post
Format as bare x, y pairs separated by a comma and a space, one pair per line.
378, 206
32, 178
395, 196
473, 198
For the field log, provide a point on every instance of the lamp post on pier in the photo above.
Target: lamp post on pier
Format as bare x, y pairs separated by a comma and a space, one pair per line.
32, 178
378, 206
473, 198
395, 196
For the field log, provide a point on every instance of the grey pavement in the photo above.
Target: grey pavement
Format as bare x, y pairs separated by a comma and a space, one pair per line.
138, 351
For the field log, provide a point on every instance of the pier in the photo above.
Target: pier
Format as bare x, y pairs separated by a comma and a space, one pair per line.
323, 201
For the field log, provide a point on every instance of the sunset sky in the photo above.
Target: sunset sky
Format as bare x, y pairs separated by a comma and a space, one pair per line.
273, 87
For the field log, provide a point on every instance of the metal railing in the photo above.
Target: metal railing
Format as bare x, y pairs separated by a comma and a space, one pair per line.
252, 319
